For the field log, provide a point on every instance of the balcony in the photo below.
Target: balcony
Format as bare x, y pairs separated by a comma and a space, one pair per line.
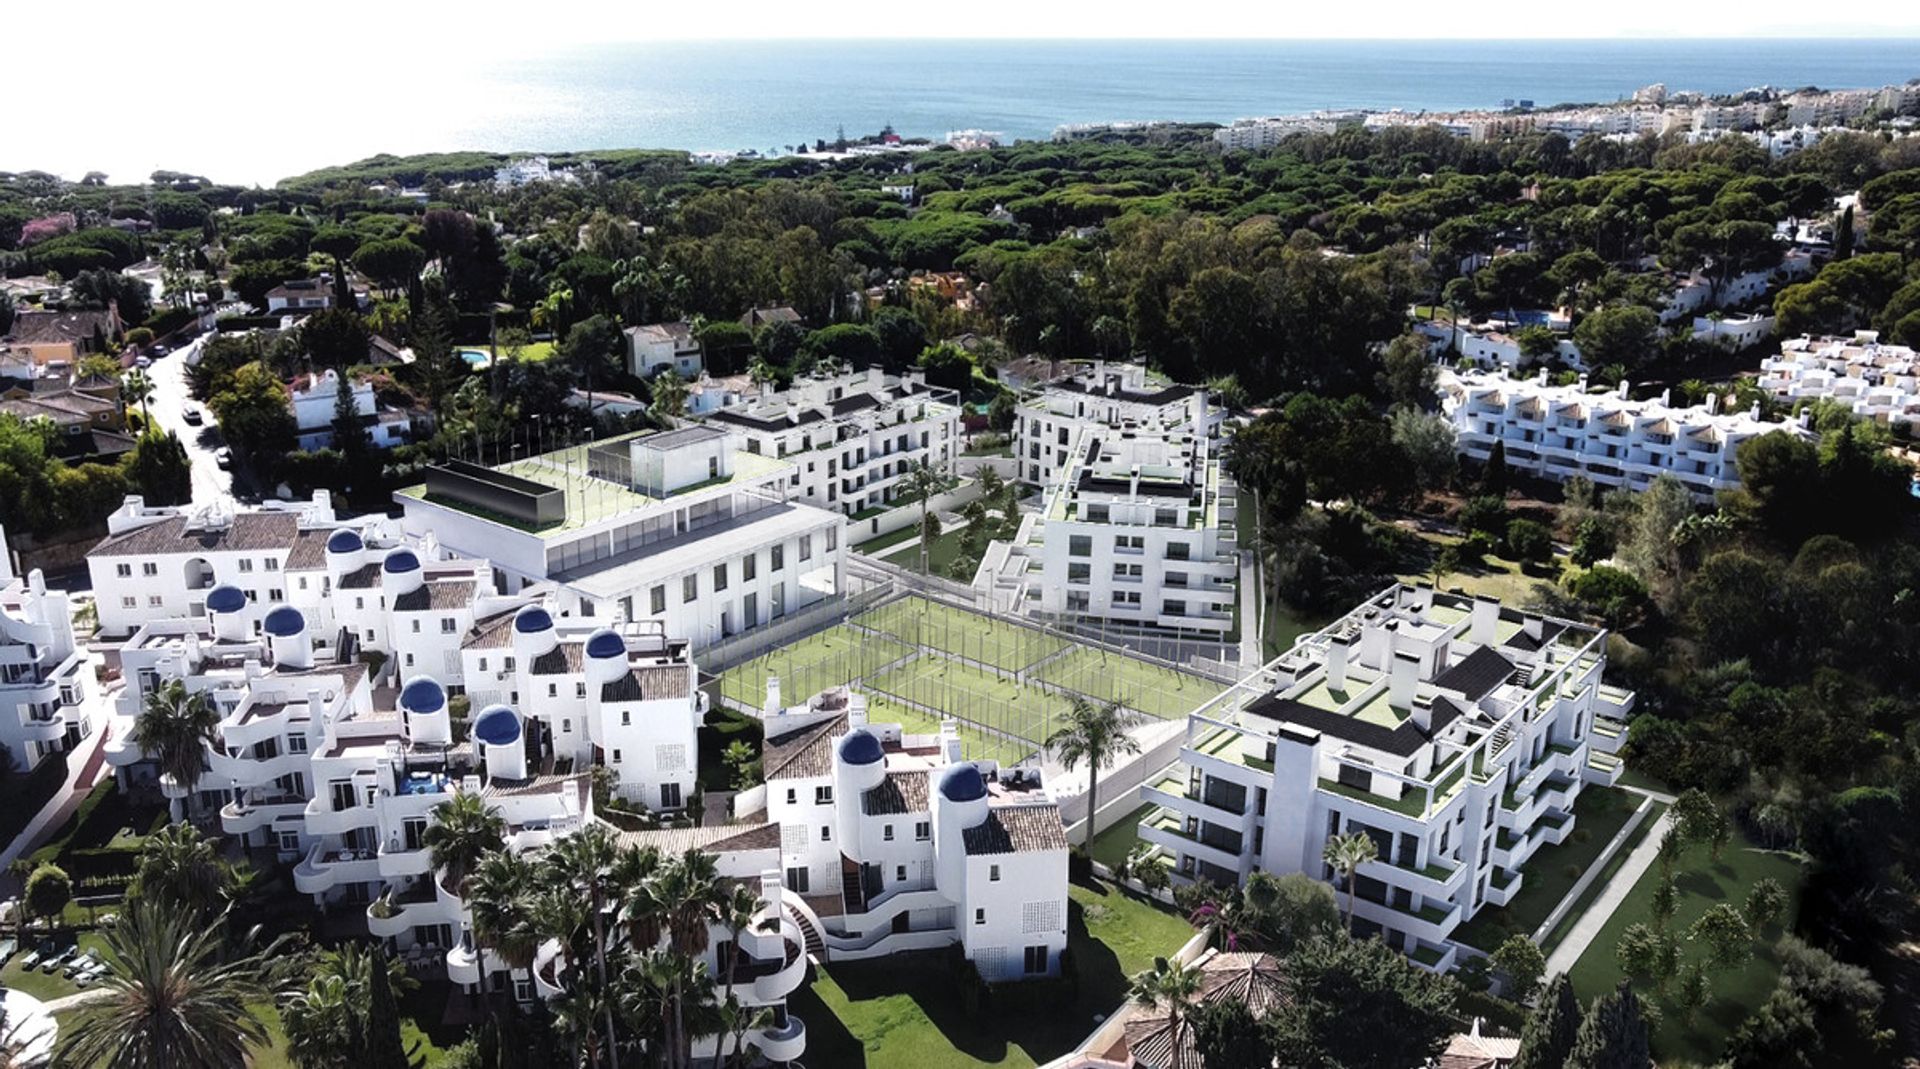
773, 980
324, 819
325, 868
260, 811
782, 1042
463, 964
1608, 735
398, 859
395, 912
1499, 893
1602, 768
1435, 879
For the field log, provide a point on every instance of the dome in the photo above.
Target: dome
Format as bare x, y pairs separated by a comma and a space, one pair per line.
531, 619
962, 783
498, 725
344, 541
861, 748
284, 622
605, 643
226, 598
423, 694
401, 560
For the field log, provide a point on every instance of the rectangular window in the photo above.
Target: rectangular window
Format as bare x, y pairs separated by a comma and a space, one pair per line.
669, 796
797, 879
153, 600
719, 577
150, 569
793, 796
124, 571
416, 626
246, 565
748, 567
778, 553
806, 547
1036, 960
626, 718
447, 625
1080, 546
579, 690
923, 830
826, 833
657, 599
979, 916
886, 833
129, 602
616, 757
276, 594
993, 874
823, 795
689, 588
296, 744
1079, 572
271, 565
833, 539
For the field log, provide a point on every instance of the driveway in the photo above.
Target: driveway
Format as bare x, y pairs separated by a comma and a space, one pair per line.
168, 408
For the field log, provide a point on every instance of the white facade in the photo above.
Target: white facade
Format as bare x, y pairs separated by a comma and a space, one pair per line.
313, 402
1878, 382
896, 843
850, 437
657, 347
1047, 422
1557, 432
677, 527
46, 680
1454, 732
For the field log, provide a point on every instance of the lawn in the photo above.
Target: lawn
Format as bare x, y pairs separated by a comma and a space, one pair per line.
16, 977
831, 658
975, 695
904, 1010
428, 1045
1599, 813
1600, 882
1105, 676
977, 744
1112, 846
1737, 992
961, 633
1495, 576
874, 546
941, 553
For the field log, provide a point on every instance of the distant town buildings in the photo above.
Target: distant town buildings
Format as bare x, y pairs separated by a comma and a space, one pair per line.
1876, 381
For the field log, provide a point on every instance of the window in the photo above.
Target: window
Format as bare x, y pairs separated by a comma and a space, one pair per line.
553, 689
129, 602
1126, 597
1080, 546
779, 556
303, 582
1036, 960
1097, 514
979, 916
1177, 551
246, 565
124, 571
626, 718
276, 594
616, 757
719, 577
416, 626
579, 690
447, 625
296, 744
657, 600
1079, 572
153, 600
899, 874
1126, 571
1166, 518
566, 727
806, 547
923, 830
833, 539
360, 603
993, 874
748, 568
270, 564
669, 796
793, 796
149, 569
826, 833
409, 660
1171, 607
823, 795
797, 879
689, 588
886, 833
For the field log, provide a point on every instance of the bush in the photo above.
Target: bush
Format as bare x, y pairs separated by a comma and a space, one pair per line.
1485, 514
1529, 542
139, 336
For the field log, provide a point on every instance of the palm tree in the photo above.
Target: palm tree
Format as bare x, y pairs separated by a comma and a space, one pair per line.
735, 912
498, 894
1169, 985
464, 830
136, 388
176, 727
1095, 734
584, 864
1346, 853
737, 1020
182, 869
331, 1022
925, 481
171, 998
677, 902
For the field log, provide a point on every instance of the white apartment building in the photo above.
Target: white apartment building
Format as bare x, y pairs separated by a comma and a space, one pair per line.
313, 399
1878, 382
1749, 115
46, 679
1454, 732
1105, 396
1253, 135
1557, 432
680, 527
656, 347
850, 437
894, 842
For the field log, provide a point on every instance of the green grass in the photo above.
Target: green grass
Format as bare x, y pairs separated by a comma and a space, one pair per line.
966, 634
1599, 884
978, 744
16, 977
831, 658
1112, 846
1599, 814
428, 1045
1104, 676
904, 1010
1737, 992
974, 695
874, 546
941, 552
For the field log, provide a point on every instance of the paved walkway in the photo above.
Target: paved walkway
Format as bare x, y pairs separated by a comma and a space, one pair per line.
1250, 622
1594, 869
83, 771
32, 1025
1596, 916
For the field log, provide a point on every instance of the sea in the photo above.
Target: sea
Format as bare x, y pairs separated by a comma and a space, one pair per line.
767, 95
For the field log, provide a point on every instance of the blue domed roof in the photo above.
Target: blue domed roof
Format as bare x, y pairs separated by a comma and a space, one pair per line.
498, 725
963, 783
226, 598
532, 618
423, 694
401, 560
606, 644
861, 748
344, 541
284, 622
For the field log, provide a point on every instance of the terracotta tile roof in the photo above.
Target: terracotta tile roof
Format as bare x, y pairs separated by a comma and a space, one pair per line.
651, 682
31, 328
547, 784
568, 658
366, 577
442, 595
493, 633
1017, 829
1257, 980
309, 553
1470, 1050
248, 531
711, 838
902, 792
803, 753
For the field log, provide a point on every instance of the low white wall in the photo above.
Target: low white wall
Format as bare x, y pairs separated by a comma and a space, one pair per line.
907, 515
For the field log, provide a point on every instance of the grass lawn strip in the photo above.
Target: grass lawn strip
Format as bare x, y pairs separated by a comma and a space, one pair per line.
1112, 846
941, 627
1599, 814
1600, 882
1737, 992
831, 658
972, 695
1149, 688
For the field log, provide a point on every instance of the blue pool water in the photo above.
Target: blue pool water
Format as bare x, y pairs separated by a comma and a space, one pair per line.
474, 357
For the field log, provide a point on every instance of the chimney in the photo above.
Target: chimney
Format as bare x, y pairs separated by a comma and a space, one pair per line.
1620, 391
1486, 614
1583, 382
1338, 648
1404, 678
773, 706
316, 711
1423, 714
950, 740
192, 647
1533, 626
1713, 403
856, 710
1666, 397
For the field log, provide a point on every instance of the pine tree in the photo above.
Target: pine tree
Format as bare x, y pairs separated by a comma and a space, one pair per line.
1843, 236
1547, 1037
349, 434
1493, 480
1613, 1036
385, 1049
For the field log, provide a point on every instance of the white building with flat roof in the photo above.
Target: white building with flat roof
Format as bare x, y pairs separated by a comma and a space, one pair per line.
681, 527
1557, 432
1878, 382
850, 437
1455, 733
46, 679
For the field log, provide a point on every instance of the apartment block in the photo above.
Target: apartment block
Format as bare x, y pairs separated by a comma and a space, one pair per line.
1557, 432
683, 527
46, 680
1101, 399
1878, 382
850, 438
1453, 731
894, 842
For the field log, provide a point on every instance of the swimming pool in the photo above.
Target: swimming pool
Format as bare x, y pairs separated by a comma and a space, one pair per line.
474, 357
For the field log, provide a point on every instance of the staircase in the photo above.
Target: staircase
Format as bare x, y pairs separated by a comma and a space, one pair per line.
1502, 736
816, 949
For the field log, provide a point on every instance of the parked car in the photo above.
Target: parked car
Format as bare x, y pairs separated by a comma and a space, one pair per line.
158, 350
142, 361
192, 415
54, 964
224, 458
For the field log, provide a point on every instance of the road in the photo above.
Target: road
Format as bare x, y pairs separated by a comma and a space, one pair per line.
168, 408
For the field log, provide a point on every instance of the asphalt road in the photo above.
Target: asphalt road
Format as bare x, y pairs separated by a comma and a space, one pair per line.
168, 407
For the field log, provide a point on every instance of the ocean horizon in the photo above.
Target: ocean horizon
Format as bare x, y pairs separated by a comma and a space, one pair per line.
766, 95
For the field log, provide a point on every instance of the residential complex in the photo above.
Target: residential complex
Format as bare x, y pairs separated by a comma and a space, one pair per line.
1557, 432
850, 438
1453, 731
315, 401
894, 842
1099, 400
1878, 382
46, 679
682, 527
656, 347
